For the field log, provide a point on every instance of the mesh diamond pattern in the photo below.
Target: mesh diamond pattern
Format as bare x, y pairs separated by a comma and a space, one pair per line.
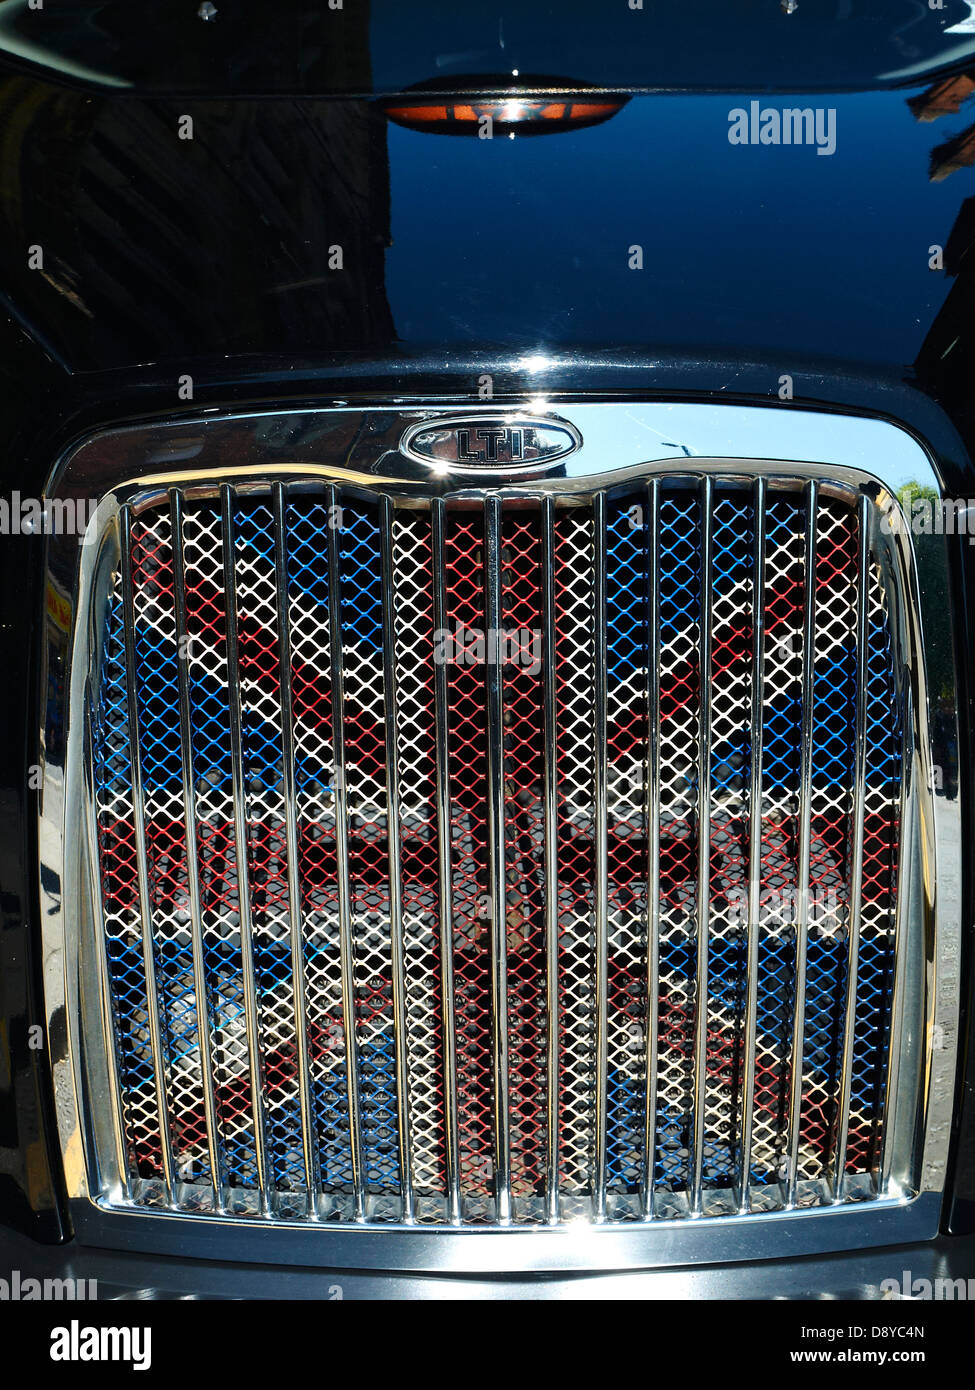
627, 667
120, 907
833, 733
730, 678
875, 967
366, 711
784, 598
524, 909
157, 683
575, 703
416, 755
206, 655
464, 565
307, 526
360, 587
679, 600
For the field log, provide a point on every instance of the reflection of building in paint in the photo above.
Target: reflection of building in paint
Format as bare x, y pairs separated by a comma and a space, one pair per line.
159, 247
944, 372
958, 153
945, 98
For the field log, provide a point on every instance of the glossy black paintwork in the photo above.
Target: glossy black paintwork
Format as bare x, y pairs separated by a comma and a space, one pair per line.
29, 1170
363, 46
211, 258
158, 249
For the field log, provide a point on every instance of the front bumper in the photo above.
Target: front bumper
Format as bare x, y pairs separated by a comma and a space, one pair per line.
859, 1274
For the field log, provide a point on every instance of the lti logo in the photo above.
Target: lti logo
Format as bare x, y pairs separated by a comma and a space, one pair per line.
473, 444
493, 444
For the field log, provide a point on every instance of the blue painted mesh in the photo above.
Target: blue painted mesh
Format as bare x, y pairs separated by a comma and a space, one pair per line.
157, 685
307, 526
679, 600
784, 594
120, 897
730, 681
360, 580
882, 754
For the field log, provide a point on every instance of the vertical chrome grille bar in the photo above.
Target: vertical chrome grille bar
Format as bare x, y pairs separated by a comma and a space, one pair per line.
342, 852
142, 865
104, 968
192, 861
703, 844
308, 1139
653, 842
227, 499
601, 849
805, 810
750, 1040
905, 871
497, 886
553, 1041
451, 1138
391, 709
856, 866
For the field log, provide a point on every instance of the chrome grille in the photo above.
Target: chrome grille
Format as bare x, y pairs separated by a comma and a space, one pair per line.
672, 897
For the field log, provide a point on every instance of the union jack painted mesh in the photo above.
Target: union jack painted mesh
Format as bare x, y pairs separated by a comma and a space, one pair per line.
335, 607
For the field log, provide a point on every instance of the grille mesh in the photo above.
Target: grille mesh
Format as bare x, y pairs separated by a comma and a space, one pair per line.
303, 1003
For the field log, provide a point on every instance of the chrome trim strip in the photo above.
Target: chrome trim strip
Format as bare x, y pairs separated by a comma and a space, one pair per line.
750, 1040
905, 869
701, 1001
342, 855
142, 866
917, 776
497, 881
653, 849
601, 830
391, 709
516, 1249
805, 812
445, 884
309, 1143
551, 800
254, 1059
856, 868
192, 852
104, 986
621, 440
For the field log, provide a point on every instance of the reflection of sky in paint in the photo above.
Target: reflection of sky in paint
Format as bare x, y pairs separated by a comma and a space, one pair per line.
760, 250
710, 45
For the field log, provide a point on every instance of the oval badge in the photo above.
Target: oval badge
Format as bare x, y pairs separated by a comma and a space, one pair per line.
476, 443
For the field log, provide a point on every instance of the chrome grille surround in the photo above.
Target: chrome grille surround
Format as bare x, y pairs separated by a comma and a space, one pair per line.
602, 1175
